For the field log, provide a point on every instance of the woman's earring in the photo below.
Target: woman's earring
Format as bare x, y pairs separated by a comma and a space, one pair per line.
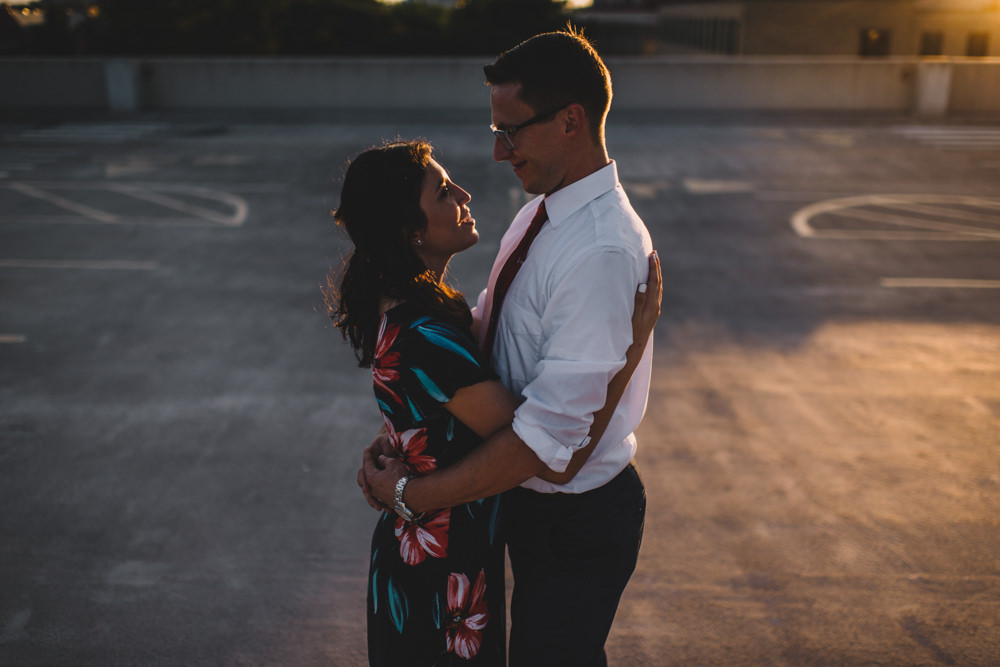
419, 241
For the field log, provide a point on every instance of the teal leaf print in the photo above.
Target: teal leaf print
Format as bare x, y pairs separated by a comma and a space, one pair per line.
495, 519
444, 337
374, 589
436, 612
399, 607
432, 389
417, 414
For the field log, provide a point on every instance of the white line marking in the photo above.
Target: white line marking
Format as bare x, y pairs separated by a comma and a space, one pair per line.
151, 192
62, 202
960, 283
98, 265
953, 213
236, 219
699, 186
944, 130
76, 220
847, 207
978, 405
12, 338
906, 221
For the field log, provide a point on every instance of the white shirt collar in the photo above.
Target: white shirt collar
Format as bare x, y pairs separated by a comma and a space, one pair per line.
566, 201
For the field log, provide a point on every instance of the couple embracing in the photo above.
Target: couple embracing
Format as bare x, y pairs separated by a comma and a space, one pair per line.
511, 423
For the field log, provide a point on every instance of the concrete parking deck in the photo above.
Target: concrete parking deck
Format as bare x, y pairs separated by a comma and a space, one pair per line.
180, 425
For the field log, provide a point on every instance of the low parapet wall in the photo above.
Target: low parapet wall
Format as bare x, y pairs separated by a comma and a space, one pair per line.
926, 87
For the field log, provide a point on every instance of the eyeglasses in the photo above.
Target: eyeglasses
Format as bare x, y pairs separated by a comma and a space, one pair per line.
506, 137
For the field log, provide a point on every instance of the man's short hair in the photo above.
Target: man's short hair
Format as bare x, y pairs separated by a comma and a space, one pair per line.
556, 69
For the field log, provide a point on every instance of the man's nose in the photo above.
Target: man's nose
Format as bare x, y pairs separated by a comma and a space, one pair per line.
500, 151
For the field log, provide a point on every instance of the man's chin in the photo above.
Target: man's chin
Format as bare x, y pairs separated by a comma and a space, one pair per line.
531, 188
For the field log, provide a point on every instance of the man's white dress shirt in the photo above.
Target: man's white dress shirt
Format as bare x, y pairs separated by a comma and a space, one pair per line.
565, 325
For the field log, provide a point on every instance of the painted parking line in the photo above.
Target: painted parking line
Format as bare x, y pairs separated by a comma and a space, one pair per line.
90, 265
63, 202
953, 138
906, 217
8, 339
915, 222
89, 132
236, 218
230, 210
699, 186
949, 283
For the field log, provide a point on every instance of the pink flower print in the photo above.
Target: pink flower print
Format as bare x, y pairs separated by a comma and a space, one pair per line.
424, 537
468, 614
385, 363
410, 446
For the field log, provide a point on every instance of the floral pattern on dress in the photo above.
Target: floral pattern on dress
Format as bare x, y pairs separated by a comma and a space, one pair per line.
409, 447
385, 362
430, 580
427, 536
468, 614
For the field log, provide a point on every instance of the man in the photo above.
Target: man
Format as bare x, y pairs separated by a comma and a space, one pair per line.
561, 335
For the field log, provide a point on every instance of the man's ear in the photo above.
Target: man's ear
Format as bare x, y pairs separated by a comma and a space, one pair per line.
575, 119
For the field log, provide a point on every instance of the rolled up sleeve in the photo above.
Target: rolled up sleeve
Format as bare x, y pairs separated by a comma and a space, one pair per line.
587, 330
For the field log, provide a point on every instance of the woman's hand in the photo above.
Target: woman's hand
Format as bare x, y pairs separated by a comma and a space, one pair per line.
381, 474
647, 303
644, 316
380, 446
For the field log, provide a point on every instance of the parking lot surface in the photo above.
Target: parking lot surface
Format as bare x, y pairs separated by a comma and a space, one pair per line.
181, 425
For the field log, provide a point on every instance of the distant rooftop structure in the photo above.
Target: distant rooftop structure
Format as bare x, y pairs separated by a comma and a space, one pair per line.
968, 28
438, 3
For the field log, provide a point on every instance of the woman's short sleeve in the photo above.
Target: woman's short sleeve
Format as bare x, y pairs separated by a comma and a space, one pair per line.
440, 359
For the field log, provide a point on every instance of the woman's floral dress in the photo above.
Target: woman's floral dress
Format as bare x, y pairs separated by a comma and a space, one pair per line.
436, 586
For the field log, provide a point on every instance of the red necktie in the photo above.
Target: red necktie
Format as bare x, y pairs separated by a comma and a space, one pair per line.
507, 273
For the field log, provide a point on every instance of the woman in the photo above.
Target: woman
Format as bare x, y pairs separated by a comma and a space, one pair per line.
436, 581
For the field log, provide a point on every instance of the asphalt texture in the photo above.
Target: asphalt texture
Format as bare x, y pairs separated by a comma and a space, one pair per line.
180, 424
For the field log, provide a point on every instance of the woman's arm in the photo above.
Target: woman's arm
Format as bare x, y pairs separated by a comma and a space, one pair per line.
488, 409
644, 317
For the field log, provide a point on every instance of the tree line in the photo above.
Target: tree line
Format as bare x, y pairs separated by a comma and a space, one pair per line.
285, 27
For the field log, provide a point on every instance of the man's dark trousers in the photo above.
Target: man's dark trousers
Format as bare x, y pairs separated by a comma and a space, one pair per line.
572, 555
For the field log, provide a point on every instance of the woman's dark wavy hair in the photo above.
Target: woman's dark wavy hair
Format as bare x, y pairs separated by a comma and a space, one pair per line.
380, 209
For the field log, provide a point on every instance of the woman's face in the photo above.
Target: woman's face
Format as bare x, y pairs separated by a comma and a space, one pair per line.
450, 226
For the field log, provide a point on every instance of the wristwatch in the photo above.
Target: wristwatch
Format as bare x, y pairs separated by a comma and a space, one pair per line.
397, 501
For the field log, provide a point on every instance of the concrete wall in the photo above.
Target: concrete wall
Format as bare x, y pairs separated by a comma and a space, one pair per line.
899, 85
975, 85
765, 84
422, 83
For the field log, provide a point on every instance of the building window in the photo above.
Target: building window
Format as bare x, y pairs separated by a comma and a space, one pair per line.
874, 42
710, 35
932, 44
978, 45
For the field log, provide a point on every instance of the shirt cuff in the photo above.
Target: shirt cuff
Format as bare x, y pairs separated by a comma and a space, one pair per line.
549, 451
